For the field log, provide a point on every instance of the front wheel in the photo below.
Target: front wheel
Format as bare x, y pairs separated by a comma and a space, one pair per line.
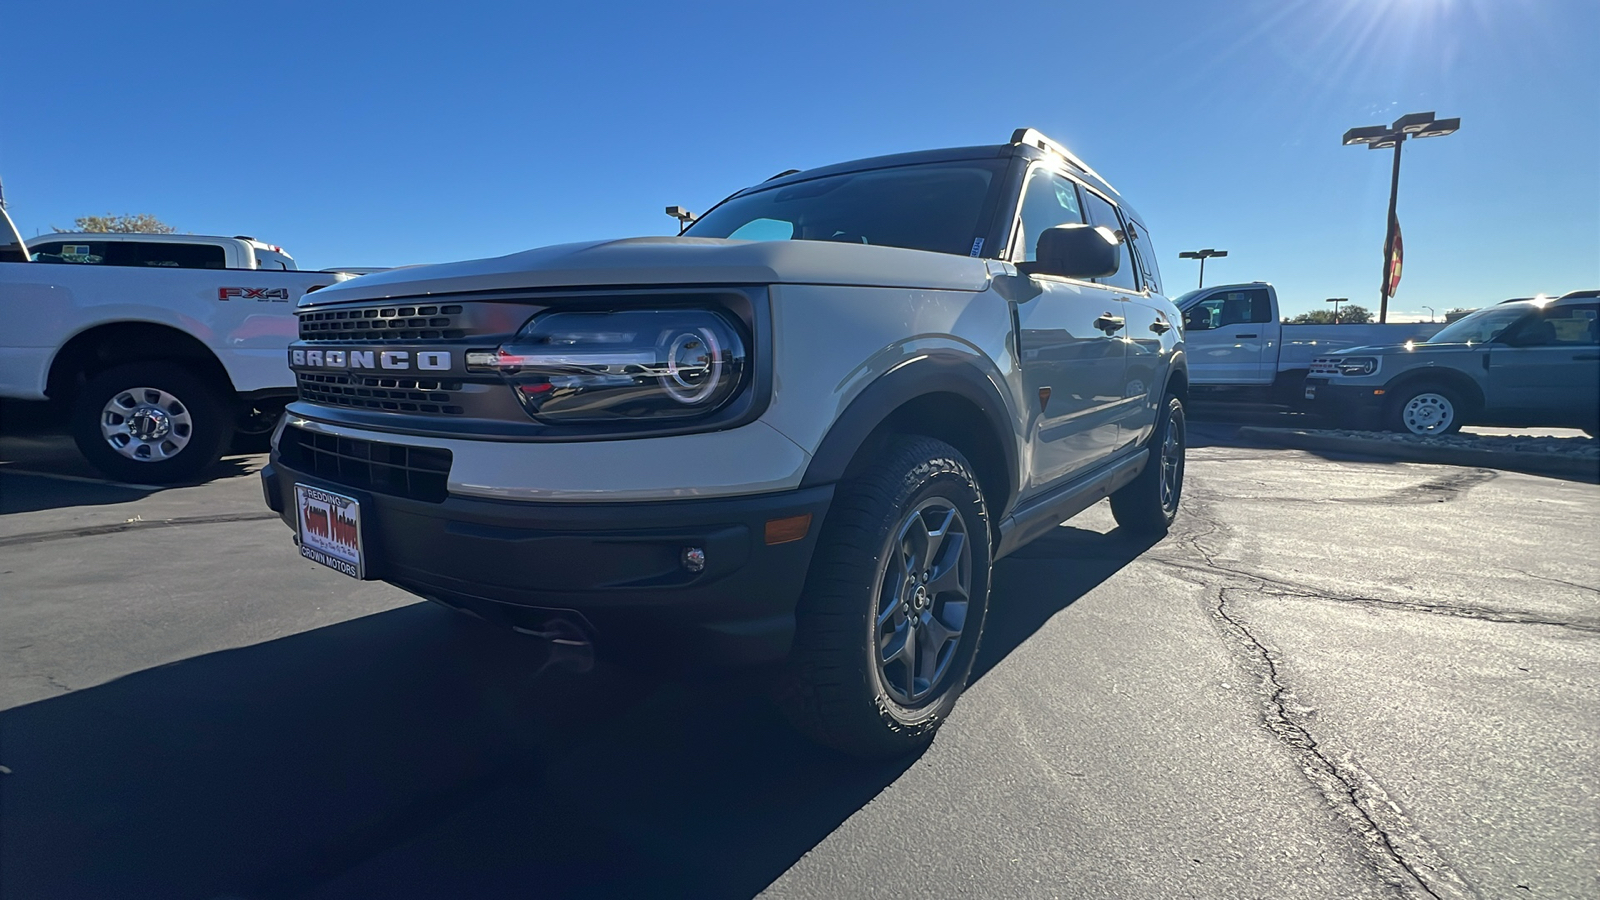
1149, 503
888, 626
1425, 409
151, 423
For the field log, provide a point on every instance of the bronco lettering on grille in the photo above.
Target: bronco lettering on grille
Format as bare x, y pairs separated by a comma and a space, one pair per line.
392, 360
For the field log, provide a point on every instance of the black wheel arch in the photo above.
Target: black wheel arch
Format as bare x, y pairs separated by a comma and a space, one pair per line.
1465, 387
103, 346
939, 395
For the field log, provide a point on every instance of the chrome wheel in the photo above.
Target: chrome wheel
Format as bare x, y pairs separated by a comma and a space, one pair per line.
1428, 413
146, 424
1172, 465
922, 601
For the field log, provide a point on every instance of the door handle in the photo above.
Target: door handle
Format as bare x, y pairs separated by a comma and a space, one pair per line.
1240, 337
1109, 323
1160, 326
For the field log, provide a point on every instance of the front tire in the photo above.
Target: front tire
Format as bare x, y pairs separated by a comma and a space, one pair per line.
888, 626
1425, 409
150, 423
1148, 505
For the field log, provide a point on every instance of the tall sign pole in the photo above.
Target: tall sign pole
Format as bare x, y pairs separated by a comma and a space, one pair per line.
1389, 233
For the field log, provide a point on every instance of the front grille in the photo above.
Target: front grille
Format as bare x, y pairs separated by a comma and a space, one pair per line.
1325, 365
417, 473
412, 395
383, 323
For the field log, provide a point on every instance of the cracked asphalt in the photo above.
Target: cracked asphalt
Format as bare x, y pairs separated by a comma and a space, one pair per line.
1337, 678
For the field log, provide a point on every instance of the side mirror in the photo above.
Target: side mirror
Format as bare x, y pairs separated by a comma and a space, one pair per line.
1077, 251
1197, 320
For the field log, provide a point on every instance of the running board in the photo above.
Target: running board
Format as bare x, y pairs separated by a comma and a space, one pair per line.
1036, 516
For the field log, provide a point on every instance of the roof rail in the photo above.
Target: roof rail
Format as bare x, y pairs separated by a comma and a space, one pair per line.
784, 174
1033, 137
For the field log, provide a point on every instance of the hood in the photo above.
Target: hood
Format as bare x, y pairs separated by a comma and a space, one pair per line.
650, 261
1396, 349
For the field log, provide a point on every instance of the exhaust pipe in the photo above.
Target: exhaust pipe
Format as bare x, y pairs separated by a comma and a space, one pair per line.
571, 649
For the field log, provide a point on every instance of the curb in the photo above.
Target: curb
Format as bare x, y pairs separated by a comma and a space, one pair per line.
1553, 464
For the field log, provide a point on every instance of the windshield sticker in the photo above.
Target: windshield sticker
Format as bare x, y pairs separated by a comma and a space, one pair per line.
977, 246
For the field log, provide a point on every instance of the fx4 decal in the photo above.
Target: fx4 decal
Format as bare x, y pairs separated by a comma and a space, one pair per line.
277, 295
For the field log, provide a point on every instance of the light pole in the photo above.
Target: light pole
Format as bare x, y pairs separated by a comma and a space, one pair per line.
1380, 137
1430, 313
1202, 255
1336, 301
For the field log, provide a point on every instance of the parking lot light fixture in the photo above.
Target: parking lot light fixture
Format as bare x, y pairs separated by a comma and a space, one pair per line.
1380, 137
1430, 313
1336, 301
1202, 255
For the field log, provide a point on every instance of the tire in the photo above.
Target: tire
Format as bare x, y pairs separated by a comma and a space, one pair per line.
189, 423
253, 427
858, 603
1425, 409
1148, 505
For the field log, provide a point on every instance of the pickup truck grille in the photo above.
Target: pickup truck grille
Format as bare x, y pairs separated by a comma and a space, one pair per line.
383, 323
412, 395
417, 473
1325, 365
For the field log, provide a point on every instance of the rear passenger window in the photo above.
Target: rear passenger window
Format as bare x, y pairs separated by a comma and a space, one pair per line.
1103, 213
79, 252
165, 255
1048, 200
1146, 252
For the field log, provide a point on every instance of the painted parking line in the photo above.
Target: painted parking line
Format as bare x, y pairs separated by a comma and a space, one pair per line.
79, 479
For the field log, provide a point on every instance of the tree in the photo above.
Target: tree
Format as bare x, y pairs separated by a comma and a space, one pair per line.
143, 223
1349, 314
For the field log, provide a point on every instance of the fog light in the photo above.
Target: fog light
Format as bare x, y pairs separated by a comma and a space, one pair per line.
694, 559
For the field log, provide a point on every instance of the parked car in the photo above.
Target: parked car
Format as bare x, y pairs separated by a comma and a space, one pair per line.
1238, 343
800, 432
1518, 363
160, 356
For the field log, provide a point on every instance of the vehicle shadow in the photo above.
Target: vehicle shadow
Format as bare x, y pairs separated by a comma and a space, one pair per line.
414, 753
41, 468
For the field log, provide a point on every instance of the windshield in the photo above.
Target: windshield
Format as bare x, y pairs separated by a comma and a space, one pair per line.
1480, 327
932, 206
1184, 298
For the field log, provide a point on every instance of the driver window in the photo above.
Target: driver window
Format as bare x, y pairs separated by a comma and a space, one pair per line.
1563, 327
1047, 201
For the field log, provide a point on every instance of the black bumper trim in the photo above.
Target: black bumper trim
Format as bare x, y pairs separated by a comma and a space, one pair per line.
619, 565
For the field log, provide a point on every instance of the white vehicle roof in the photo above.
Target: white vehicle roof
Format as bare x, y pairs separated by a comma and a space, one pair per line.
153, 238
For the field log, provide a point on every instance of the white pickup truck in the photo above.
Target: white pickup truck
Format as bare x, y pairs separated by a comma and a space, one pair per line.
162, 346
1237, 340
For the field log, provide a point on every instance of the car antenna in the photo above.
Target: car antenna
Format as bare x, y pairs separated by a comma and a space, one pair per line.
684, 217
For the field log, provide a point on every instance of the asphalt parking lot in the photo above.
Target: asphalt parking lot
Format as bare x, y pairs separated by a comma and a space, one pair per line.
1337, 678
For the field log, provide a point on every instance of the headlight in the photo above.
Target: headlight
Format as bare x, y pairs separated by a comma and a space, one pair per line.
1357, 365
636, 365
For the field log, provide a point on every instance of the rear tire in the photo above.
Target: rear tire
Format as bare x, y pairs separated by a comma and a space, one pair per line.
1148, 505
151, 423
888, 626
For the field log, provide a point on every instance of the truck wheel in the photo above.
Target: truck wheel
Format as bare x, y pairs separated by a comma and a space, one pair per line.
893, 608
1425, 409
150, 423
1148, 504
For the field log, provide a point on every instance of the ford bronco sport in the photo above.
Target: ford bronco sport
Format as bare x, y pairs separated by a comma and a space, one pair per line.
800, 432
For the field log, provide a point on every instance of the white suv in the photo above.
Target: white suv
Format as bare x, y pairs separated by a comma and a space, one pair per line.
801, 432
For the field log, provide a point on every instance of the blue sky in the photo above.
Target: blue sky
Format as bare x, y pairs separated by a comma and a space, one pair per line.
391, 133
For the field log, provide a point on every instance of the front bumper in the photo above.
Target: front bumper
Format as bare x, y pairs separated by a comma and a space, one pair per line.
618, 566
1351, 405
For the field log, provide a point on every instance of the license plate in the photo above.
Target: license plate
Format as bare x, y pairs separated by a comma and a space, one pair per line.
330, 529
1311, 392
